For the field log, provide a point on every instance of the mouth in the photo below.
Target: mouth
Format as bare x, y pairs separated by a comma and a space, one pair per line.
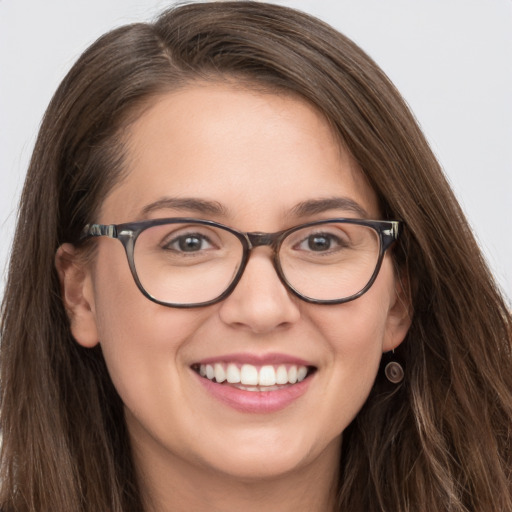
254, 378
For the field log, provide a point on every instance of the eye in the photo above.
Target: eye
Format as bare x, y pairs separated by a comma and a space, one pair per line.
321, 242
189, 242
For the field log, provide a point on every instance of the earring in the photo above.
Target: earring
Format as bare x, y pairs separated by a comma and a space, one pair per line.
394, 372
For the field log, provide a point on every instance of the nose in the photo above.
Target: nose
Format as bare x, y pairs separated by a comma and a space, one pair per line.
260, 302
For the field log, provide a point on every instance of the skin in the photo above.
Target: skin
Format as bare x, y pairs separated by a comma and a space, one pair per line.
258, 155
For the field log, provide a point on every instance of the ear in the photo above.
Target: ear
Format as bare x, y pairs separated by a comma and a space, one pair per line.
77, 294
399, 315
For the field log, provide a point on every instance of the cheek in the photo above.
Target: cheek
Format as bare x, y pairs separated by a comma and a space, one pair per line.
142, 342
354, 334
144, 348
356, 346
355, 328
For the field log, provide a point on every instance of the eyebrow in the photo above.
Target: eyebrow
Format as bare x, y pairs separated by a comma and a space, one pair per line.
302, 209
314, 206
202, 206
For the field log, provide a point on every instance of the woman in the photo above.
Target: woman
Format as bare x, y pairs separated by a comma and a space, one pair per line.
294, 315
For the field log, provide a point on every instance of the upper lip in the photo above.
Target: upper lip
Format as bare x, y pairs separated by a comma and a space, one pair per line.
255, 359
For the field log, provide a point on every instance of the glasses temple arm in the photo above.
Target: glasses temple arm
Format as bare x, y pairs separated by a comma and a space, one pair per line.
91, 230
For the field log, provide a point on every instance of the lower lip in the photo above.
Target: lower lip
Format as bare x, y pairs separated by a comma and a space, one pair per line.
258, 402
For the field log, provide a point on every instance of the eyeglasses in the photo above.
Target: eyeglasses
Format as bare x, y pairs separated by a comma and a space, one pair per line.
186, 262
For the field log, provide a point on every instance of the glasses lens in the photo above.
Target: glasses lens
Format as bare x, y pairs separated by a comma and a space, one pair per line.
330, 261
186, 263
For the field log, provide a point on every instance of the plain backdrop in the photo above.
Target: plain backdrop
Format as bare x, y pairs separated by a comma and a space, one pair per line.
451, 59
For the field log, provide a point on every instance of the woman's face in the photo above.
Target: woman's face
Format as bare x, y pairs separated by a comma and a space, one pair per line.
245, 159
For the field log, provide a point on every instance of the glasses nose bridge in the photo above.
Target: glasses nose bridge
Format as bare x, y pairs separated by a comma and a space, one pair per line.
272, 240
259, 239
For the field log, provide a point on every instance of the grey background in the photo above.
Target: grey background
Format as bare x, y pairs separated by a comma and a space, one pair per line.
451, 59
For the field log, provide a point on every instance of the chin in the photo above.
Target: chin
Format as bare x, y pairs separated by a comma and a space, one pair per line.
270, 460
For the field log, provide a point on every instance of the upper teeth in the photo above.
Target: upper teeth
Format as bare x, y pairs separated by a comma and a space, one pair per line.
250, 375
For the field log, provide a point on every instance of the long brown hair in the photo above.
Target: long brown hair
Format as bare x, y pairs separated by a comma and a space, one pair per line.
439, 441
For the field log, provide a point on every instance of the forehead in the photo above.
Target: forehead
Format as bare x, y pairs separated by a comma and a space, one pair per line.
245, 150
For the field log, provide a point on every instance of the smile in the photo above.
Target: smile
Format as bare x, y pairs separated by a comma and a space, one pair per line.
257, 386
253, 378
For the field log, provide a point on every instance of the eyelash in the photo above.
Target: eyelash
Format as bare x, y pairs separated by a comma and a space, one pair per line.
176, 240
